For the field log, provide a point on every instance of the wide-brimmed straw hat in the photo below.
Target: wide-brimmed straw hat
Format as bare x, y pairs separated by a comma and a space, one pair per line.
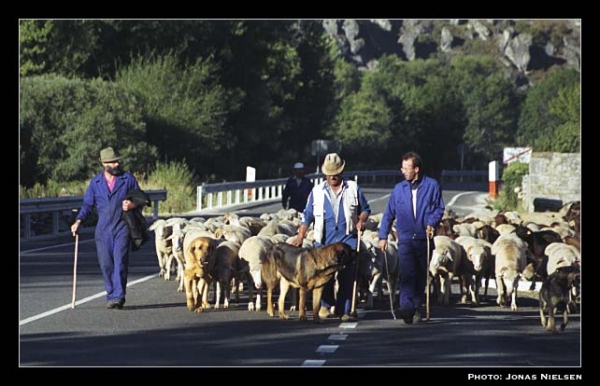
333, 164
109, 155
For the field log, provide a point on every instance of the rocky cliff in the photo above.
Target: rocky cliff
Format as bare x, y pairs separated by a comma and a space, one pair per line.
525, 47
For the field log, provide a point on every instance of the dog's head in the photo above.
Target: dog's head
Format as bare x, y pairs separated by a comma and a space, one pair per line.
202, 251
344, 254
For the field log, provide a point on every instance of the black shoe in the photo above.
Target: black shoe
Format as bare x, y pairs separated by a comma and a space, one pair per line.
112, 304
116, 304
406, 313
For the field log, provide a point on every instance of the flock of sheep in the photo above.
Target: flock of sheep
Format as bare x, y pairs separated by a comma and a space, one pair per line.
506, 247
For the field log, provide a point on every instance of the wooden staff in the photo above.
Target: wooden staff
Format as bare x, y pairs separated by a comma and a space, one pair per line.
427, 280
353, 309
75, 269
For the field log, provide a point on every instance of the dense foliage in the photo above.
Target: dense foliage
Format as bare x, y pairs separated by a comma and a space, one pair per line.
219, 95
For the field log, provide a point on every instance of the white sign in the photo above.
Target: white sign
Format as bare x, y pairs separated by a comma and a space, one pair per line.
517, 154
494, 171
250, 174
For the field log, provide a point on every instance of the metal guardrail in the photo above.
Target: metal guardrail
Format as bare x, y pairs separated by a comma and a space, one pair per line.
227, 194
58, 205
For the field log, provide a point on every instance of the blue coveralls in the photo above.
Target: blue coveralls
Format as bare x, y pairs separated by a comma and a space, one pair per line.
412, 239
112, 233
335, 231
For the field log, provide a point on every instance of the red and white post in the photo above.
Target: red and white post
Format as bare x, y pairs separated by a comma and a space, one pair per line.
494, 178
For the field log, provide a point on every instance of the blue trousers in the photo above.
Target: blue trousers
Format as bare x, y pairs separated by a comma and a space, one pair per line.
113, 258
412, 262
343, 299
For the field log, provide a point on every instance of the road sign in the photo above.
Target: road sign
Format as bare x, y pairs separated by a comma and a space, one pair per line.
517, 154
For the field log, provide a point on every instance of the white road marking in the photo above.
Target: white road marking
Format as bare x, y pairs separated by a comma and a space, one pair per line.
77, 302
313, 362
337, 337
53, 246
327, 348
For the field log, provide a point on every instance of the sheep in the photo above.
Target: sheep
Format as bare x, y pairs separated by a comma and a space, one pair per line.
225, 271
561, 255
536, 244
250, 254
478, 263
464, 229
506, 229
374, 265
510, 252
163, 246
443, 266
230, 232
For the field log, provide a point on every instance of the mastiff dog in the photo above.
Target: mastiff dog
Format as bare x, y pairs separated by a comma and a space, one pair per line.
305, 268
556, 296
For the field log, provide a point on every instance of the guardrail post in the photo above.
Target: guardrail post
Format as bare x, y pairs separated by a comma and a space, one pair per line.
199, 198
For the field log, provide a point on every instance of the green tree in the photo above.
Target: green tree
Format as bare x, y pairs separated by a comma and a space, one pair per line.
566, 108
65, 122
185, 106
33, 36
537, 124
490, 103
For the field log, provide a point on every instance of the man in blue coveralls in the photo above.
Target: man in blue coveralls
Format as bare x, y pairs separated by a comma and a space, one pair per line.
106, 192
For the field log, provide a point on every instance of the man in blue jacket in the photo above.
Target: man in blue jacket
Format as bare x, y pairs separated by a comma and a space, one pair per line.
418, 207
296, 190
107, 192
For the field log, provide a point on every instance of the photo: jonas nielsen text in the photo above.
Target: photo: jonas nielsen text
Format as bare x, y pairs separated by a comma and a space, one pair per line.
524, 377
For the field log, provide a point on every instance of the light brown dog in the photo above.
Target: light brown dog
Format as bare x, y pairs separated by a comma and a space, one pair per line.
308, 269
200, 257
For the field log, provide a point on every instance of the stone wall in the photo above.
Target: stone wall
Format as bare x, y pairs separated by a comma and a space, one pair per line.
555, 176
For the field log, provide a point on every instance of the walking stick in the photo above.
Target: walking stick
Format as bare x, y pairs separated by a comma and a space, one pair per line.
353, 309
389, 285
427, 280
75, 269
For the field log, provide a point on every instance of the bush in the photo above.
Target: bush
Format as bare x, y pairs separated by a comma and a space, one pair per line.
512, 178
65, 122
180, 184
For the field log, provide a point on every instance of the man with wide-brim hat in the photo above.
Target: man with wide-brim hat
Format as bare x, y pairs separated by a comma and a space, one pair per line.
339, 210
333, 164
108, 194
109, 155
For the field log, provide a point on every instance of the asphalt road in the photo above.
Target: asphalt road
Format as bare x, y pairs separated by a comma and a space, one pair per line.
155, 329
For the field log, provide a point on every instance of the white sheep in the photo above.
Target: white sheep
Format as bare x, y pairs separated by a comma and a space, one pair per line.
445, 261
163, 246
561, 255
506, 229
510, 252
250, 254
478, 263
